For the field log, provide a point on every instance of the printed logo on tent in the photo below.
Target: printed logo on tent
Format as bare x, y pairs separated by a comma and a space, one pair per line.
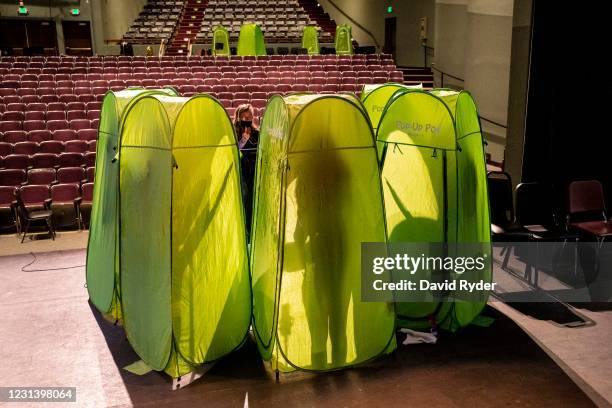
276, 133
418, 127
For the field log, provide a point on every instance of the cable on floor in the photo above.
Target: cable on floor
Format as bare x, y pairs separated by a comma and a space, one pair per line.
23, 269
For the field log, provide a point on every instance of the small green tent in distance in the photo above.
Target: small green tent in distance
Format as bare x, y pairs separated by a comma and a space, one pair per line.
310, 40
185, 283
102, 269
317, 198
220, 45
435, 189
344, 40
251, 41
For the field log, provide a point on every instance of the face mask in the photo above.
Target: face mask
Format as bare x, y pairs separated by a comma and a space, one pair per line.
246, 123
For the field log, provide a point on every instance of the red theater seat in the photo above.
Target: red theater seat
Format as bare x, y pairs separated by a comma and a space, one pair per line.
51, 146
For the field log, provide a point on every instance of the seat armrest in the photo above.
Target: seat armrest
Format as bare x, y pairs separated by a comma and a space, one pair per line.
47, 204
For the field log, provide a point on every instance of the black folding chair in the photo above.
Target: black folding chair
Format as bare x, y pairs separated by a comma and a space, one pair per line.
31, 217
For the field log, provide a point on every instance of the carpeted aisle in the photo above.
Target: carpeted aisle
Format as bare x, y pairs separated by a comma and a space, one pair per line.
51, 336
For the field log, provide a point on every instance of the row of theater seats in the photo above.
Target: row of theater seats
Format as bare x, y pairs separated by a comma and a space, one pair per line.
280, 21
155, 22
283, 24
10, 76
22, 87
70, 203
41, 124
49, 146
44, 136
47, 160
47, 176
39, 62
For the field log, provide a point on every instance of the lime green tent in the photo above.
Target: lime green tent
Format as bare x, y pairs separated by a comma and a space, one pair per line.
317, 198
251, 41
344, 40
102, 271
435, 189
180, 247
310, 40
375, 97
220, 45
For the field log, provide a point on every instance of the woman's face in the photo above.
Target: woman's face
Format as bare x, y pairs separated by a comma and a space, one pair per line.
246, 115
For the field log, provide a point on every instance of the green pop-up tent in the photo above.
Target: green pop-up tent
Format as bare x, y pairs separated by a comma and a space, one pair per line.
168, 248
317, 198
375, 97
344, 40
220, 45
251, 41
434, 181
102, 269
185, 283
310, 40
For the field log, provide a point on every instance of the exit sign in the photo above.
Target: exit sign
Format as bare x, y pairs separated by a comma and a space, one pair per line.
75, 11
389, 9
22, 11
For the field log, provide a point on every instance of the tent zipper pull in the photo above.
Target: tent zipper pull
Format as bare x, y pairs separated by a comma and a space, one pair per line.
174, 163
115, 158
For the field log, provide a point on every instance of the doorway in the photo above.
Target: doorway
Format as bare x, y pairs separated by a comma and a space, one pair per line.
77, 37
28, 37
390, 35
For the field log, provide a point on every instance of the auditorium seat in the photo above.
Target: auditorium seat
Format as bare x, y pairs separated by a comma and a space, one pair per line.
16, 161
39, 136
5, 149
28, 148
7, 204
78, 146
64, 135
70, 159
65, 199
44, 160
8, 125
12, 177
71, 175
87, 134
41, 176
34, 115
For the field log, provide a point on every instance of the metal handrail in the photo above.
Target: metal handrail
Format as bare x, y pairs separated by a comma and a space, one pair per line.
493, 122
442, 74
447, 74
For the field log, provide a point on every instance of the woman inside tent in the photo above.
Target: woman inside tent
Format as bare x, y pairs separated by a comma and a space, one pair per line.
248, 137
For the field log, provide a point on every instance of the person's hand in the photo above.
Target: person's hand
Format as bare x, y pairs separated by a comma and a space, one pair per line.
246, 134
